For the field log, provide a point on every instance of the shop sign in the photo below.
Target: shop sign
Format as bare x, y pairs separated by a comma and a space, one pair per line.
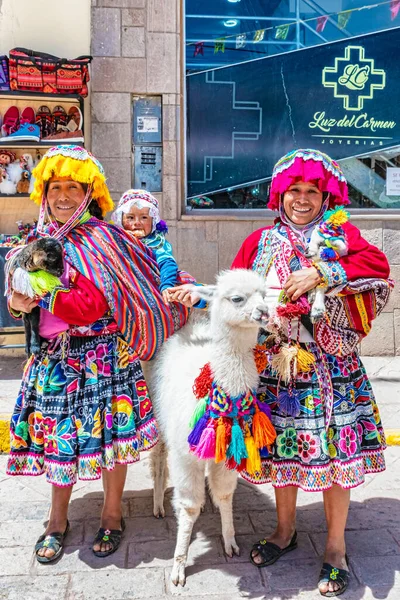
392, 181
341, 98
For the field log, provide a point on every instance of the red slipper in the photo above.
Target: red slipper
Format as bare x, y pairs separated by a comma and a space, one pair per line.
10, 121
28, 116
44, 120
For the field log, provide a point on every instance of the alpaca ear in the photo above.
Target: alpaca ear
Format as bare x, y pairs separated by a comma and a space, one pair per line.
206, 292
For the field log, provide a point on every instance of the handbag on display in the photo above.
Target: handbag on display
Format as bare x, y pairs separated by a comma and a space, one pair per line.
4, 76
33, 71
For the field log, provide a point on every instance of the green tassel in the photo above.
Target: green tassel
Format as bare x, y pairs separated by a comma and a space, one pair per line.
42, 282
199, 411
237, 447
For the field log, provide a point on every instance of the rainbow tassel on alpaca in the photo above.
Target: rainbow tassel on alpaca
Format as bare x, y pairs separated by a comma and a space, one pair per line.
289, 403
221, 441
206, 446
195, 434
237, 448
199, 411
253, 462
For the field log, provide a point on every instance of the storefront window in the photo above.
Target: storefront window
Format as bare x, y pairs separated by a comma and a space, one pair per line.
266, 77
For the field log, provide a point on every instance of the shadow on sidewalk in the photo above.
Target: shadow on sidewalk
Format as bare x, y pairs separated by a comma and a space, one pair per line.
372, 536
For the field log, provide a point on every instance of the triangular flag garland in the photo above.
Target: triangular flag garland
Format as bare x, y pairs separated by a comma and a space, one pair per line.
394, 9
241, 40
234, 430
321, 22
199, 49
259, 35
343, 18
281, 32
219, 45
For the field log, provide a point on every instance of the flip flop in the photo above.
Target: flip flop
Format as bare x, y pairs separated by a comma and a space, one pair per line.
52, 541
271, 552
112, 536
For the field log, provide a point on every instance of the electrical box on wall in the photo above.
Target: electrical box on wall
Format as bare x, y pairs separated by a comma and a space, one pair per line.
147, 143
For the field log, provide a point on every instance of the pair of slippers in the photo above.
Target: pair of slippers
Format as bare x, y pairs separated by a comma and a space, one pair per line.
51, 123
55, 542
270, 553
12, 119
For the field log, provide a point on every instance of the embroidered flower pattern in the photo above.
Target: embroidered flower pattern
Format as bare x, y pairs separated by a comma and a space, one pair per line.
287, 443
35, 421
348, 441
309, 446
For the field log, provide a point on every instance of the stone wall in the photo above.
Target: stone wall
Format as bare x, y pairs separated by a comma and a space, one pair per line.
136, 49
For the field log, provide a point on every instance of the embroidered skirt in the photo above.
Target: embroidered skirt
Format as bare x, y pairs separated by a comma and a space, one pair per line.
307, 453
83, 406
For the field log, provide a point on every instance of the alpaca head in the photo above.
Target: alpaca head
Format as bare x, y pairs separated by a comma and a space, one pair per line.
237, 299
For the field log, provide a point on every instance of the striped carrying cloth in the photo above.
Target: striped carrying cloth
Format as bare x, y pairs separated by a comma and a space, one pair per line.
124, 270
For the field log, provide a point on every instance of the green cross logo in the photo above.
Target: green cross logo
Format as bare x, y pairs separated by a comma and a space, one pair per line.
354, 78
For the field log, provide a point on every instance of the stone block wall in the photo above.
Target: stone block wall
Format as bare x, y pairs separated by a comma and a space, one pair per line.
136, 49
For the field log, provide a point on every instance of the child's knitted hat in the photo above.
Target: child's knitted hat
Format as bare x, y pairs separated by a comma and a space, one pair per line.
141, 199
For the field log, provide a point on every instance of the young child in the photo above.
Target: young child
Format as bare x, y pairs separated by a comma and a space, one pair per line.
138, 213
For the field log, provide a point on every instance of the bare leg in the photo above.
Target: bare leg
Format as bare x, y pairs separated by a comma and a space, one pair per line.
113, 485
336, 504
286, 513
222, 484
60, 497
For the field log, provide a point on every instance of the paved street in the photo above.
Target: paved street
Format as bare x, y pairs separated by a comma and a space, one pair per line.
141, 567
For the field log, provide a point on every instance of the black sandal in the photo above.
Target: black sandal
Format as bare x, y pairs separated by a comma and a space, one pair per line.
51, 541
112, 536
271, 552
339, 576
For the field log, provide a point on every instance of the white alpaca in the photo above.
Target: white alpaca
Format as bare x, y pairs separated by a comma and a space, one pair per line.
317, 243
226, 341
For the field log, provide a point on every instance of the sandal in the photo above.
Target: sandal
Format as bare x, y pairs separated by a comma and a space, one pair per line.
112, 536
271, 552
52, 541
339, 576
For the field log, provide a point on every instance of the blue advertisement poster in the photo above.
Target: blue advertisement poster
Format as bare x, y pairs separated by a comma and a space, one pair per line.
341, 98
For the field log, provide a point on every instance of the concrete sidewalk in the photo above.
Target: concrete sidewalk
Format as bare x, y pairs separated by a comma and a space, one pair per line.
141, 567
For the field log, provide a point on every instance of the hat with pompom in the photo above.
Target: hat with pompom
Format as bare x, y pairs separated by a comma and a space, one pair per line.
78, 164
310, 166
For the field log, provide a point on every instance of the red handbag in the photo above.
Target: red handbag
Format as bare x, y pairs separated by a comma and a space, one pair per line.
32, 71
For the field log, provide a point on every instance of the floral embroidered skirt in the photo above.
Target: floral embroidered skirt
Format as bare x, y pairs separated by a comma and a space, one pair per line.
83, 406
309, 455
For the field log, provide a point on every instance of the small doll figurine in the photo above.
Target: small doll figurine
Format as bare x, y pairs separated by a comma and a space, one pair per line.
7, 157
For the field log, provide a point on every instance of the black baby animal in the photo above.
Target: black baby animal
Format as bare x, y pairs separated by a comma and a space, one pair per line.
43, 254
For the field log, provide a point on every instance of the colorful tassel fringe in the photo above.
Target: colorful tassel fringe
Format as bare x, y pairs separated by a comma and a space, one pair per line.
199, 411
289, 402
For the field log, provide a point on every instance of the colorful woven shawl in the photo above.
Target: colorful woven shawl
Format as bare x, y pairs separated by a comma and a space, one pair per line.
124, 270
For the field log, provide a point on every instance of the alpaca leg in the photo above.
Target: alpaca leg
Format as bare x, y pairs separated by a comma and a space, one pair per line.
187, 477
318, 306
222, 484
34, 318
159, 472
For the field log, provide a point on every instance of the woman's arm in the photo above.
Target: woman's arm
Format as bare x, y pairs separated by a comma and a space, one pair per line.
80, 304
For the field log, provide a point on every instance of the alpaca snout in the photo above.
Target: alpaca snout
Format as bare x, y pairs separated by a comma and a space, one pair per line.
260, 314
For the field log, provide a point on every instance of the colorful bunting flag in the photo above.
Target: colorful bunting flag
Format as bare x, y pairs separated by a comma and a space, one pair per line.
259, 35
321, 22
219, 45
394, 9
343, 18
241, 41
199, 49
281, 32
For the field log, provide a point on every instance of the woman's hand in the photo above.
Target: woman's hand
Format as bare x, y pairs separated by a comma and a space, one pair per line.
22, 303
184, 295
300, 282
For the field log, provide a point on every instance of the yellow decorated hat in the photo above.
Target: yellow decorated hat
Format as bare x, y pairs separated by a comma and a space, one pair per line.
78, 164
